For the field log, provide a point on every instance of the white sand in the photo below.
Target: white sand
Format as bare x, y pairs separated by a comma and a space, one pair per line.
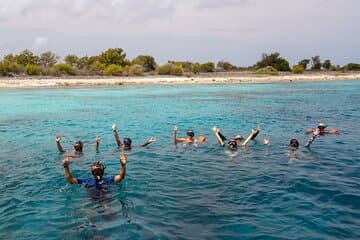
237, 77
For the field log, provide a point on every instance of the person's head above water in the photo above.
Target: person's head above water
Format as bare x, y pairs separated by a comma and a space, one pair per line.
190, 133
97, 170
294, 143
232, 144
78, 146
322, 126
127, 143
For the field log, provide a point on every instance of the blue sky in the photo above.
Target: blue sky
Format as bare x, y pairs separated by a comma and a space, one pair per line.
238, 31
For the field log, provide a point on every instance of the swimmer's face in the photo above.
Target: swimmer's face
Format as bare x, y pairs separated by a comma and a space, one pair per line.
127, 143
97, 171
78, 146
294, 144
232, 145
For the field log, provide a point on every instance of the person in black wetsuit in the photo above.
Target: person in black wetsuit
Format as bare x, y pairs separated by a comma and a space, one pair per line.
97, 170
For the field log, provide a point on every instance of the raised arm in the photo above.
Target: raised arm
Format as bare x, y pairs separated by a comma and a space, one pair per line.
247, 140
174, 136
122, 170
58, 139
219, 136
97, 140
151, 140
312, 138
67, 173
257, 131
116, 135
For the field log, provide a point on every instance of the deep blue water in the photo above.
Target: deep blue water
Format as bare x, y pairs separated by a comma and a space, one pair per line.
183, 192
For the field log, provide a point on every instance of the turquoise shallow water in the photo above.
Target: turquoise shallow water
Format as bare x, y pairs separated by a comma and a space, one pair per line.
182, 192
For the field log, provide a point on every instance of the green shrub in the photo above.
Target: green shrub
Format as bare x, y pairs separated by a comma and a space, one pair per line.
298, 69
352, 67
273, 60
177, 70
64, 68
267, 71
32, 69
136, 70
147, 62
113, 70
207, 67
226, 66
164, 69
195, 68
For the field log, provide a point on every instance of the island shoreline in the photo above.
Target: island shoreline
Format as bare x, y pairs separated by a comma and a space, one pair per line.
211, 78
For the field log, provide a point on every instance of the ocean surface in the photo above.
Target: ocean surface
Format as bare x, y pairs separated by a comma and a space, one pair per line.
182, 191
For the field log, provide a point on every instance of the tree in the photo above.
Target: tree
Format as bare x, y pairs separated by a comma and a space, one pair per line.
136, 70
304, 63
26, 57
273, 60
207, 67
195, 68
352, 67
298, 69
64, 68
113, 70
177, 70
327, 64
113, 56
147, 62
11, 66
72, 60
225, 66
48, 59
315, 63
32, 69
164, 69
186, 65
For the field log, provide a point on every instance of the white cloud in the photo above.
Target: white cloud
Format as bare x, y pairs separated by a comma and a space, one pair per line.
230, 25
39, 43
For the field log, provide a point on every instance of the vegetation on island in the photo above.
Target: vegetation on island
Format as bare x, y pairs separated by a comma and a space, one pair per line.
113, 62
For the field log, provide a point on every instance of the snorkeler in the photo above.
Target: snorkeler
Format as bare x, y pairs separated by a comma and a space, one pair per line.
190, 137
320, 130
77, 147
97, 171
126, 145
233, 142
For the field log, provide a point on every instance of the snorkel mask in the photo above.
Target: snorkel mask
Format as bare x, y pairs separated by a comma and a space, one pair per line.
232, 144
97, 170
78, 146
127, 143
190, 133
294, 144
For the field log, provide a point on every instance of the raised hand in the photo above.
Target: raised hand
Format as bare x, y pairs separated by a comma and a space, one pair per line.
66, 161
123, 158
113, 126
152, 139
176, 128
97, 139
58, 138
266, 141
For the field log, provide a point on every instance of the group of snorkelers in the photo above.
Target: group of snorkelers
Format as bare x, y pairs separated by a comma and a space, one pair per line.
97, 168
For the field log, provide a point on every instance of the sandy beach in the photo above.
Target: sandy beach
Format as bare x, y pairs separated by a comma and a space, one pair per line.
212, 78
